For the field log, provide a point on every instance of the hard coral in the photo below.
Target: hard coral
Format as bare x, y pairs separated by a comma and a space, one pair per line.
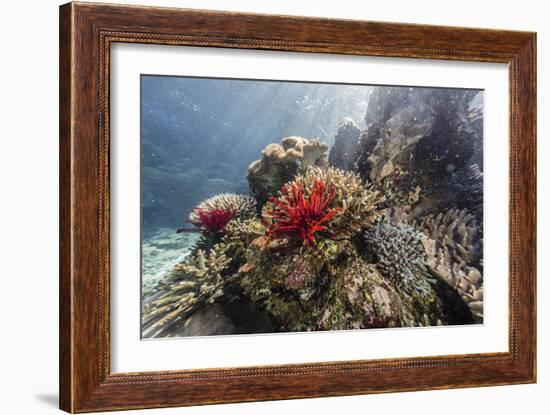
281, 162
214, 214
454, 249
197, 281
400, 256
320, 205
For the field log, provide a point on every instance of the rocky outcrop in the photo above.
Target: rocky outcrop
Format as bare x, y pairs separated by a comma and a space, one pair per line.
343, 153
417, 138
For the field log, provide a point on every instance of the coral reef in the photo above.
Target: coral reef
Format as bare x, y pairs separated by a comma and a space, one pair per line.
385, 231
213, 214
454, 254
281, 162
400, 256
302, 293
401, 133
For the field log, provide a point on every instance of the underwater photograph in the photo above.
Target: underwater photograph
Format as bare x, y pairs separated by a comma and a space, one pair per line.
271, 206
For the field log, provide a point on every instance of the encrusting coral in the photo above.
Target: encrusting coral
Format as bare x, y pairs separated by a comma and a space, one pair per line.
281, 162
453, 251
213, 214
304, 292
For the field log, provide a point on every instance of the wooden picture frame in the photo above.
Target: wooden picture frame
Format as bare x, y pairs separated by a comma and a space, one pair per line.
86, 33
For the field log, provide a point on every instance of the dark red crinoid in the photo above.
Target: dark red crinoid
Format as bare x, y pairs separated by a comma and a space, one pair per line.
214, 220
297, 216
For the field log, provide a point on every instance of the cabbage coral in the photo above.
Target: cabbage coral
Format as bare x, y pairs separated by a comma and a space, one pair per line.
281, 162
454, 250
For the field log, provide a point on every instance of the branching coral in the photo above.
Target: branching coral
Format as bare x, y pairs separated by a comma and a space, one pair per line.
400, 256
213, 214
281, 162
192, 285
320, 204
454, 254
238, 234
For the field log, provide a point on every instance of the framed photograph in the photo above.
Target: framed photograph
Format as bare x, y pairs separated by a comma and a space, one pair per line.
259, 207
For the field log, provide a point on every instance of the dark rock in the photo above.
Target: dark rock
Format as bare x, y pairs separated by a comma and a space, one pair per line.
343, 153
417, 139
208, 321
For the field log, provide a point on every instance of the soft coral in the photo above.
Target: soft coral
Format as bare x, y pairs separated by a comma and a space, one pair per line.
214, 220
297, 216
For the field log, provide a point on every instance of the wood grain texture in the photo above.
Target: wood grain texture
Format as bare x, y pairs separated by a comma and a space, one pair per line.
86, 33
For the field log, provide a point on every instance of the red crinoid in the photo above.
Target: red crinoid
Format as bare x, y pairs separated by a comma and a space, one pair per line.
297, 216
214, 220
